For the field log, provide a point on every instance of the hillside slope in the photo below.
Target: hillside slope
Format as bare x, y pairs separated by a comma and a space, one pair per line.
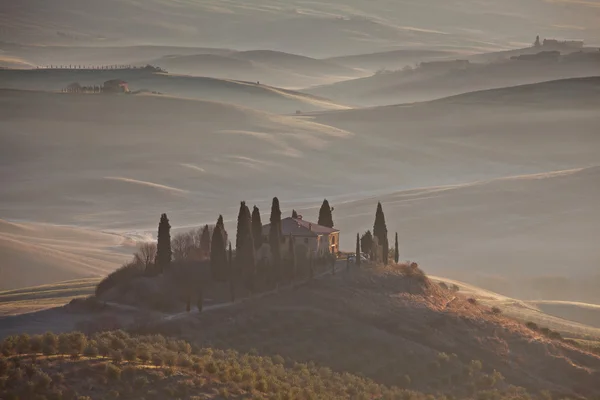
249, 94
34, 254
431, 82
269, 67
297, 26
386, 324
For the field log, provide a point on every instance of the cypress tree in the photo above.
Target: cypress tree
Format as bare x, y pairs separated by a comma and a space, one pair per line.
294, 214
386, 251
248, 263
230, 274
396, 252
205, 242
380, 232
292, 255
163, 245
357, 261
221, 225
325, 216
366, 243
257, 228
218, 257
243, 227
275, 239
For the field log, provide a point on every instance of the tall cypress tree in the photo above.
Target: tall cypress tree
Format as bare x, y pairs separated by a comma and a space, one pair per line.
257, 228
230, 274
386, 252
380, 232
205, 242
248, 262
275, 239
243, 227
294, 214
218, 257
163, 245
292, 255
325, 216
358, 260
221, 225
396, 252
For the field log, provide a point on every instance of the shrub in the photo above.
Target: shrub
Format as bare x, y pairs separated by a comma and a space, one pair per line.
42, 381
532, 325
496, 311
90, 351
120, 277
443, 285
471, 300
116, 356
262, 386
212, 368
143, 353
113, 372
140, 382
129, 354
157, 359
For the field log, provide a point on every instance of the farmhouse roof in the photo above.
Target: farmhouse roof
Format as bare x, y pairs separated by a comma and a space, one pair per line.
300, 227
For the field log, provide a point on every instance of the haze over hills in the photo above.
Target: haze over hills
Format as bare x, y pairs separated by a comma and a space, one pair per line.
270, 67
477, 140
218, 154
428, 81
350, 28
251, 94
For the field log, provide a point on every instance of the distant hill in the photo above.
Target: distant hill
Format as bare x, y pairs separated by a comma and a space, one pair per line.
197, 159
250, 94
270, 67
35, 254
316, 29
436, 80
393, 59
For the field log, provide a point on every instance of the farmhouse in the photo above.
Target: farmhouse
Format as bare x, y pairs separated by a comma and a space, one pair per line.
115, 86
309, 238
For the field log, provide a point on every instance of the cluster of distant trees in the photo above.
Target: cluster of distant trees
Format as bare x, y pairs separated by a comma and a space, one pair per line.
147, 67
77, 88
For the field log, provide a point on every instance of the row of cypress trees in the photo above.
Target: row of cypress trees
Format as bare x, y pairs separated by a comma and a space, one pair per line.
249, 239
379, 238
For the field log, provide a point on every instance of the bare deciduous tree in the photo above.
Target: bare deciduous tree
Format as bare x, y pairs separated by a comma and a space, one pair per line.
182, 246
146, 254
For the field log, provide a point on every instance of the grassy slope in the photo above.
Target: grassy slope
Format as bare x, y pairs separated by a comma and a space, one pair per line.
31, 299
383, 324
423, 85
248, 94
116, 365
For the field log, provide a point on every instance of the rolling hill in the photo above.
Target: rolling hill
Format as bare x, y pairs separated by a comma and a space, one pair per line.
394, 59
250, 94
390, 325
196, 159
295, 26
371, 322
270, 67
436, 81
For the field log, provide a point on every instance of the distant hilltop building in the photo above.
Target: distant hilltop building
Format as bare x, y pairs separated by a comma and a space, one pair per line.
115, 86
559, 44
309, 238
